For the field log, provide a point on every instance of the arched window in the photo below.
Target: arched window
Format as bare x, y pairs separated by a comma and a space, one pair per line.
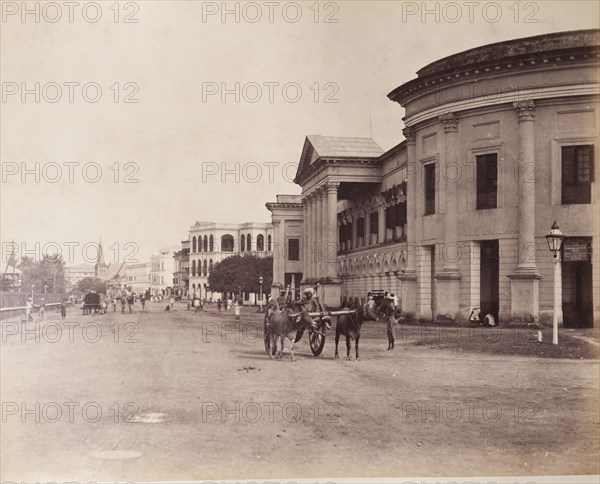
260, 242
210, 266
227, 243
242, 243
205, 244
194, 243
269, 243
193, 268
249, 242
211, 244
199, 243
204, 268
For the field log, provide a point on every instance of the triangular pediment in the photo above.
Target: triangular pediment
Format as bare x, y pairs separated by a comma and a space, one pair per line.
336, 147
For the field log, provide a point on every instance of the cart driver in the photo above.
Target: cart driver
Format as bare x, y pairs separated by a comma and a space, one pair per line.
313, 305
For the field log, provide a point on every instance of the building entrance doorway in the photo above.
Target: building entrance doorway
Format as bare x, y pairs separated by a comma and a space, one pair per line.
577, 292
489, 277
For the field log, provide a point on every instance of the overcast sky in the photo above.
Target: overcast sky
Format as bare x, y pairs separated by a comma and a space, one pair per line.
175, 141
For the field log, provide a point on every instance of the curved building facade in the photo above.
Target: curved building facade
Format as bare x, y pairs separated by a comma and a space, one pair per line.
500, 141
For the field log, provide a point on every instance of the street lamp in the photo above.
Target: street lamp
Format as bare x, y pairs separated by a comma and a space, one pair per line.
32, 286
555, 239
260, 294
45, 288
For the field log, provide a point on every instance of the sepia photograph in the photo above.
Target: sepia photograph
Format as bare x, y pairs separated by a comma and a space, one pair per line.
300, 242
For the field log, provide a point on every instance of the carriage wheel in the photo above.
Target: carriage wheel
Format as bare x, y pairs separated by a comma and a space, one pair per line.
317, 341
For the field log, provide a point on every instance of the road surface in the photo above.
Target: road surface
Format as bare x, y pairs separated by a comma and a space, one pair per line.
159, 395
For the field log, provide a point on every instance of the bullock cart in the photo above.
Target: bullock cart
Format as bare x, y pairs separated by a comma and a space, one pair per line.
316, 336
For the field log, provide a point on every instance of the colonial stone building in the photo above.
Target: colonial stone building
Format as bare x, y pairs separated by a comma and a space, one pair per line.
500, 141
211, 242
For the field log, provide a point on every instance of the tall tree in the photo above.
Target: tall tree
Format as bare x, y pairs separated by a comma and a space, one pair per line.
241, 271
48, 273
91, 283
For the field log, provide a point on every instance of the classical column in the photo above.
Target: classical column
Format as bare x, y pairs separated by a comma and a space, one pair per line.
313, 235
321, 232
448, 280
332, 238
305, 239
525, 278
354, 221
450, 124
278, 255
526, 117
408, 277
381, 222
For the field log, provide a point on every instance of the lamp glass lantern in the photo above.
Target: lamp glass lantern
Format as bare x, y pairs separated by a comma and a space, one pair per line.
555, 239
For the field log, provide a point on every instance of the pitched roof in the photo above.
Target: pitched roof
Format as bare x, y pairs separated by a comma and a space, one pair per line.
318, 147
114, 270
341, 147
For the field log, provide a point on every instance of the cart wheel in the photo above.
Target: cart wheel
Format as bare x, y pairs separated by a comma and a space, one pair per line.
267, 340
317, 341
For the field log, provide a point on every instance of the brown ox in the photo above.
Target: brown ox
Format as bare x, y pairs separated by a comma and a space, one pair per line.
284, 324
349, 325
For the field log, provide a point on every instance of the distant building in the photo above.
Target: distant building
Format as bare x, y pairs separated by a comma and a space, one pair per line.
116, 276
138, 277
162, 267
75, 273
181, 275
211, 243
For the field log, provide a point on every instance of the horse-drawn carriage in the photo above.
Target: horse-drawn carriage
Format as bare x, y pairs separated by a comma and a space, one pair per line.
93, 302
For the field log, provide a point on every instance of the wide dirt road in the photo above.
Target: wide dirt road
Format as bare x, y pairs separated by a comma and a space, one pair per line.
161, 395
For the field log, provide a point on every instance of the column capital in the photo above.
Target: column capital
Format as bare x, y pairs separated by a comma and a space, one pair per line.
410, 134
449, 121
321, 192
276, 223
525, 110
332, 187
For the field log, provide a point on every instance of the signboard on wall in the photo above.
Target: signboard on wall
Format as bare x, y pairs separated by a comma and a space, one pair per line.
577, 249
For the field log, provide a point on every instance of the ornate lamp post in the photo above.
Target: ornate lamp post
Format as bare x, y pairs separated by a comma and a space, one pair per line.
555, 239
260, 294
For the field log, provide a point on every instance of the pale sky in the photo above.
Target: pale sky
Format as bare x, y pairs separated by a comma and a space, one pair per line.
172, 57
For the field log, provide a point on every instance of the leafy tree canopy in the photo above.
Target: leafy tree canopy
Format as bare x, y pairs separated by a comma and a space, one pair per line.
87, 284
241, 271
49, 272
